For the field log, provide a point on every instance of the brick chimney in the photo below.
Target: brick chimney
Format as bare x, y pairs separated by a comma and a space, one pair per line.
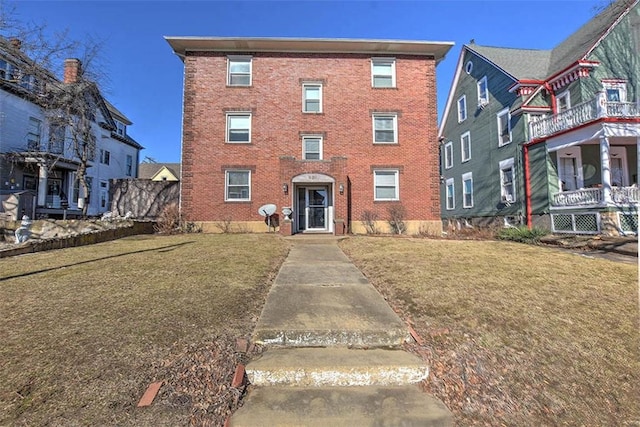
72, 70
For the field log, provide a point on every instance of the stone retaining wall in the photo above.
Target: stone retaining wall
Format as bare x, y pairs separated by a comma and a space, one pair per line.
135, 228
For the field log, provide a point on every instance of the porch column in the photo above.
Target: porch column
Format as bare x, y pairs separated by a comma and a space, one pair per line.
42, 184
606, 170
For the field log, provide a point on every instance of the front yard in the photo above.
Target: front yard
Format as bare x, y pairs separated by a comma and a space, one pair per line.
514, 334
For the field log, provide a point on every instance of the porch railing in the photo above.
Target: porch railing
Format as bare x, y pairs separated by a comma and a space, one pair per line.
580, 114
585, 196
595, 196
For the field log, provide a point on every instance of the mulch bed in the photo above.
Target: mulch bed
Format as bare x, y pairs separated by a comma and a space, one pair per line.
199, 376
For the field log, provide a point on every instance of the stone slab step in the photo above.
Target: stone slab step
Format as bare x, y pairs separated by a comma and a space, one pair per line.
314, 367
341, 406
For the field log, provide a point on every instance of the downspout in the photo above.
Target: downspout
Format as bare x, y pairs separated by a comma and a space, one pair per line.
527, 186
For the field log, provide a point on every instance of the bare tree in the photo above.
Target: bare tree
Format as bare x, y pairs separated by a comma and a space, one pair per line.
73, 103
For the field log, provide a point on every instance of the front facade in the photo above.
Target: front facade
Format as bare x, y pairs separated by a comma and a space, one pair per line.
332, 132
38, 170
554, 141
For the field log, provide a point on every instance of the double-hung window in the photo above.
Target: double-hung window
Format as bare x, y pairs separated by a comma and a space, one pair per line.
448, 155
239, 127
57, 134
385, 184
33, 137
105, 157
507, 181
616, 91
104, 194
504, 127
239, 71
237, 185
385, 129
451, 201
383, 72
467, 190
312, 147
483, 92
312, 98
465, 146
129, 165
563, 101
462, 108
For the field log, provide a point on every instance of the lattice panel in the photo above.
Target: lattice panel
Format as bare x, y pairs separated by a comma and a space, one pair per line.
586, 223
562, 223
628, 222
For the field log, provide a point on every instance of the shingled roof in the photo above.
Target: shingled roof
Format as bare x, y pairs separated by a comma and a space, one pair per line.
519, 63
579, 44
540, 64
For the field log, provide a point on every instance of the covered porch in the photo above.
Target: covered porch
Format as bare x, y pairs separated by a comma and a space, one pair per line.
593, 179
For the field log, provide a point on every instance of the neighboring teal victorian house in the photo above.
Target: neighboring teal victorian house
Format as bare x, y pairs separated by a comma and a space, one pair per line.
547, 138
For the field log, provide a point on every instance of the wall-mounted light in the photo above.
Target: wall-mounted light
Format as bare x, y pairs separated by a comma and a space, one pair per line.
341, 188
285, 188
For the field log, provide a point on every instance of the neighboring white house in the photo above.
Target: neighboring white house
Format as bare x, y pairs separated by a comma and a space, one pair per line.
37, 168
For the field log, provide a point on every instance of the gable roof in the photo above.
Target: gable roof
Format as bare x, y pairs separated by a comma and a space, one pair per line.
579, 44
150, 170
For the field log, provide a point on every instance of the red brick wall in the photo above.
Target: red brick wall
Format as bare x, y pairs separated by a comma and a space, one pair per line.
275, 98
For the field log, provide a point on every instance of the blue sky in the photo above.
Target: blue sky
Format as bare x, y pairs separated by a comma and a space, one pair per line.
145, 77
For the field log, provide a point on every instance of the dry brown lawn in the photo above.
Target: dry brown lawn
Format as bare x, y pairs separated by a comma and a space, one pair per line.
516, 335
85, 330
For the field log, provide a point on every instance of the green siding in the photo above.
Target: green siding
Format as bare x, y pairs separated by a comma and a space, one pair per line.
485, 153
543, 175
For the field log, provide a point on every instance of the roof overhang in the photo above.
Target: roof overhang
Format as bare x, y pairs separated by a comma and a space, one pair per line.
182, 45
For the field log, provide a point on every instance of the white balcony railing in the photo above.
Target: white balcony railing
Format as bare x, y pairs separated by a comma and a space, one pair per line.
595, 196
582, 113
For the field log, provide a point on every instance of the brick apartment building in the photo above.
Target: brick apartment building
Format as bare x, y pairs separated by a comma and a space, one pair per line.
335, 130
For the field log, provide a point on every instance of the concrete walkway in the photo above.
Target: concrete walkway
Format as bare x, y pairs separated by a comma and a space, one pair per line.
333, 351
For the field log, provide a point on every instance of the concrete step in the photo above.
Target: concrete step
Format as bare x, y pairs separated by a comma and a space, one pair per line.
341, 406
327, 314
315, 367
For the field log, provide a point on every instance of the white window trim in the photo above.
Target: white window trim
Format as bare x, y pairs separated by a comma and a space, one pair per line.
304, 99
467, 177
238, 113
321, 147
461, 119
450, 182
448, 160
232, 58
504, 165
462, 158
483, 101
395, 127
226, 185
391, 61
396, 184
566, 94
498, 115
